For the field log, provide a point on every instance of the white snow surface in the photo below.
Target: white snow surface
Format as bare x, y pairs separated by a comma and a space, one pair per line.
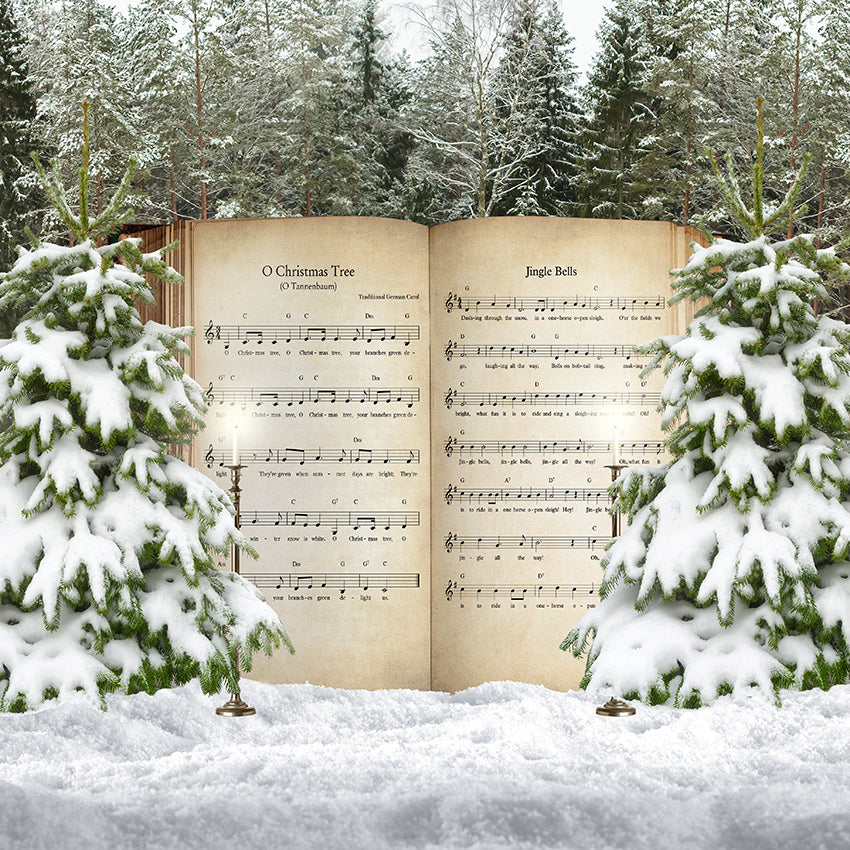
503, 765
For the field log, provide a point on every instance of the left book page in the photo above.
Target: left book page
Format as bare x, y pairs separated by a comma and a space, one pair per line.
312, 346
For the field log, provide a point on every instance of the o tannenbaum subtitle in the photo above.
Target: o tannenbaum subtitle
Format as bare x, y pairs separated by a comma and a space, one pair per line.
732, 574
107, 574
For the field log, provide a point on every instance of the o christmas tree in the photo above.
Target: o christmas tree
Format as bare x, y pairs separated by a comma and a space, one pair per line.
733, 572
107, 573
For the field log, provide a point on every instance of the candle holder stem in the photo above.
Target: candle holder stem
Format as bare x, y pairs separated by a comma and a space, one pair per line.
616, 524
235, 706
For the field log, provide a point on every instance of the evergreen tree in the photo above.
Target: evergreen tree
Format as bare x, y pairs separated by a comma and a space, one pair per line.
673, 174
163, 186
107, 577
537, 115
619, 115
17, 112
733, 572
319, 157
80, 59
378, 92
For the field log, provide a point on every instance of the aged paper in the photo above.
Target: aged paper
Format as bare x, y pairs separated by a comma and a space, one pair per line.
312, 346
536, 394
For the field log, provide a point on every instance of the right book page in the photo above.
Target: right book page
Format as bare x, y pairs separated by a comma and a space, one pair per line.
536, 392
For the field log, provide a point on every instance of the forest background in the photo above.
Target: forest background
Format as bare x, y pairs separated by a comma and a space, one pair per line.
251, 108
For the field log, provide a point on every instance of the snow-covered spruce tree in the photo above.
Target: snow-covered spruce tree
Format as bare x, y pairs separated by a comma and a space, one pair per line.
732, 573
107, 577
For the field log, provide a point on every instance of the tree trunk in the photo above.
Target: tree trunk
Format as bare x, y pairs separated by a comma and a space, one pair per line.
200, 113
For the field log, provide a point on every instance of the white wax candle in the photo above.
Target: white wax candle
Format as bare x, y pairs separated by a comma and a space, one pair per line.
616, 447
235, 445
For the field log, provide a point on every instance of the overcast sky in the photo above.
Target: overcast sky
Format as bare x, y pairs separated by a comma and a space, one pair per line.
582, 17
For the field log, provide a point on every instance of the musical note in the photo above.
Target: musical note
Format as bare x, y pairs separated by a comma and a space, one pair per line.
627, 448
298, 396
518, 593
551, 352
527, 494
295, 581
496, 399
270, 334
267, 456
654, 303
522, 541
332, 519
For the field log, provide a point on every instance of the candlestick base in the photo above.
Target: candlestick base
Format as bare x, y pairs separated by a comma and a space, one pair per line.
615, 708
235, 707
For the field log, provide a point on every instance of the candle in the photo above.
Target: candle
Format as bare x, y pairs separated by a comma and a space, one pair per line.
235, 445
616, 447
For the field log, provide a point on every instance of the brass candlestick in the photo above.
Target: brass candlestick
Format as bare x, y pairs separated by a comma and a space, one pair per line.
235, 706
616, 469
615, 707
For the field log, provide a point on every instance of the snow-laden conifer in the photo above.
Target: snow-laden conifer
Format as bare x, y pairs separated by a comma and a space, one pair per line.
734, 571
107, 573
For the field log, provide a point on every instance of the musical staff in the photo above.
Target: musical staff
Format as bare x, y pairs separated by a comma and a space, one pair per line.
521, 541
551, 352
454, 398
274, 334
525, 494
297, 396
336, 581
299, 457
542, 447
479, 303
356, 520
520, 592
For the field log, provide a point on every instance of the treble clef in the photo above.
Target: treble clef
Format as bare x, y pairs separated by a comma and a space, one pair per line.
449, 447
450, 302
449, 541
212, 332
208, 457
209, 393
450, 349
450, 589
449, 398
449, 494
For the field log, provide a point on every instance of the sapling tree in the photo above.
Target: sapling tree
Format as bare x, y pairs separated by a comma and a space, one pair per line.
107, 573
733, 571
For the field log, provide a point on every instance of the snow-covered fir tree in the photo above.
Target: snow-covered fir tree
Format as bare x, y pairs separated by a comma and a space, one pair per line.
107, 573
17, 111
537, 115
618, 115
733, 573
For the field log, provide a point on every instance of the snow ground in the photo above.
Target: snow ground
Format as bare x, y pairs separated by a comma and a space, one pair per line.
500, 765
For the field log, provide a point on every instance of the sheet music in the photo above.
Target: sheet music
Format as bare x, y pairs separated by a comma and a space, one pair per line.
534, 328
313, 335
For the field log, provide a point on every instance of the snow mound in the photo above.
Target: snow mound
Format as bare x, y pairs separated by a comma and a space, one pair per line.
504, 765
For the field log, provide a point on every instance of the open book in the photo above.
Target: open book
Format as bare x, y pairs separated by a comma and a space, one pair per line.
427, 421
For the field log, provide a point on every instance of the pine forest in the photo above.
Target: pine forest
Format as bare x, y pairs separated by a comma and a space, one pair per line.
310, 107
